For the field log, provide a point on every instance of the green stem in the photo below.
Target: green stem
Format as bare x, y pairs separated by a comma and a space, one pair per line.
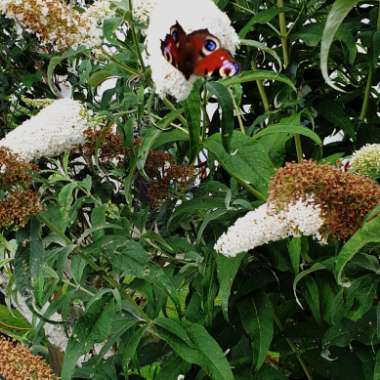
262, 92
297, 139
284, 34
367, 93
127, 68
251, 190
206, 119
134, 36
294, 349
284, 43
238, 114
171, 106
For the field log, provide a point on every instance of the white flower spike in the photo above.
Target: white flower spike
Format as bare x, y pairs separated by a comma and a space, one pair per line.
267, 224
55, 129
191, 15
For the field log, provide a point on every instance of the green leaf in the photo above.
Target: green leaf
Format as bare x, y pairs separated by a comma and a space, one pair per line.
131, 259
338, 117
227, 269
261, 18
256, 315
195, 345
294, 249
251, 76
226, 103
214, 363
196, 207
193, 112
342, 333
133, 341
170, 137
263, 47
368, 233
376, 370
108, 72
291, 126
55, 61
249, 161
93, 327
312, 298
149, 138
327, 264
338, 12
267, 372
13, 323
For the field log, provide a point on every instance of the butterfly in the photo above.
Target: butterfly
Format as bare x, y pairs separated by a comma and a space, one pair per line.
199, 53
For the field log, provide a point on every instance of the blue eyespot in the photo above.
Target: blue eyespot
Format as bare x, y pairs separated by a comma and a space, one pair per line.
210, 45
175, 35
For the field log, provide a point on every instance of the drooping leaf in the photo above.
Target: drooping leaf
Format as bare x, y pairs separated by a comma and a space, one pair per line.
256, 315
195, 345
227, 269
193, 113
368, 233
338, 12
225, 101
251, 76
93, 327
249, 161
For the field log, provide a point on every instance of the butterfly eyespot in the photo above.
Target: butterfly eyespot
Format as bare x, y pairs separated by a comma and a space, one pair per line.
168, 55
228, 69
174, 33
210, 45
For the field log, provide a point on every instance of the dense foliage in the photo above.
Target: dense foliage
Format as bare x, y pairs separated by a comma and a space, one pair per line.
123, 249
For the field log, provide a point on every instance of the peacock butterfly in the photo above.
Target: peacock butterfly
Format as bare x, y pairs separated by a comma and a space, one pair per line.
197, 53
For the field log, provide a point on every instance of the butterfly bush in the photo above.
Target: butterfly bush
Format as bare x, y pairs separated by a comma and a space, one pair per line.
57, 24
167, 79
366, 161
304, 199
18, 363
268, 224
142, 9
54, 130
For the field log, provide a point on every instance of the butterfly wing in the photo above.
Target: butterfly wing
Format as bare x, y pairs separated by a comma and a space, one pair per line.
198, 53
219, 63
171, 46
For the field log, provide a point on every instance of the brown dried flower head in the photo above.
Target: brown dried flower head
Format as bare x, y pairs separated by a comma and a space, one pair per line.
18, 200
344, 198
107, 142
18, 363
51, 21
166, 177
59, 25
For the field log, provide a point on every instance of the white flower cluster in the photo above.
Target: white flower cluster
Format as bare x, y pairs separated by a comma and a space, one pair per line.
57, 24
93, 19
55, 129
142, 9
266, 224
366, 161
191, 15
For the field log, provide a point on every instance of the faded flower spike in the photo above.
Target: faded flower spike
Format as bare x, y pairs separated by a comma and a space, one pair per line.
58, 25
344, 198
18, 363
366, 161
18, 201
304, 199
